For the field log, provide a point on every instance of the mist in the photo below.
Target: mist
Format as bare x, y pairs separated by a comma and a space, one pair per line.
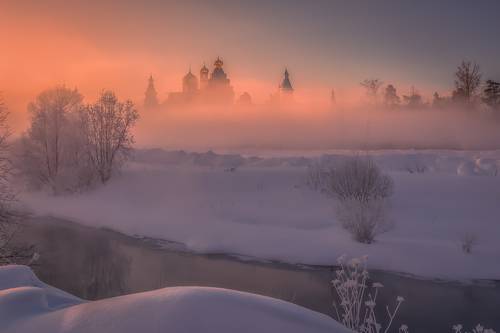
314, 127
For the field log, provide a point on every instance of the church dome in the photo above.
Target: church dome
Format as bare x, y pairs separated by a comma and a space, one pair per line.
189, 83
189, 76
218, 63
204, 70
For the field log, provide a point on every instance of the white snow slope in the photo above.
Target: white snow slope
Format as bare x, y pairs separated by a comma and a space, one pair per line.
264, 210
29, 306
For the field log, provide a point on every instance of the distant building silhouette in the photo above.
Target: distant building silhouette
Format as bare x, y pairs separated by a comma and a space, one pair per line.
151, 97
190, 85
215, 89
286, 85
204, 77
285, 92
245, 99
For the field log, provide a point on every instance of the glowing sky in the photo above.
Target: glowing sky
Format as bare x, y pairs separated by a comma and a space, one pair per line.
116, 44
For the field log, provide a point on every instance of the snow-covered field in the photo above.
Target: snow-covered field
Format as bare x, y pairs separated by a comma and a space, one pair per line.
28, 305
260, 207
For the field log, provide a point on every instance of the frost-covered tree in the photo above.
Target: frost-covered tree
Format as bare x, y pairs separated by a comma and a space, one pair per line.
9, 216
68, 145
49, 147
107, 126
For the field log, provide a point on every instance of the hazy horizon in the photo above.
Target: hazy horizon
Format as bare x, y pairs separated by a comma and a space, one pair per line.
325, 45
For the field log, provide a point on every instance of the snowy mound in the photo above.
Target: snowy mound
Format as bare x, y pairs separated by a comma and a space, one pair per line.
19, 283
175, 310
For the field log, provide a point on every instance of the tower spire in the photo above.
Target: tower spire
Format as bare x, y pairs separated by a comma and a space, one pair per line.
286, 85
150, 96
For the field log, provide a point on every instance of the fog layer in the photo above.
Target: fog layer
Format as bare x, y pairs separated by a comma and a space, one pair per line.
315, 127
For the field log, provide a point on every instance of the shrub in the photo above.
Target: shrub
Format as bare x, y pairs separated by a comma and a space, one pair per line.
477, 329
358, 179
356, 309
362, 192
364, 220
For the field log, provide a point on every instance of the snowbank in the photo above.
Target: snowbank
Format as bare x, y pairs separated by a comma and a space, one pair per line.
260, 207
27, 308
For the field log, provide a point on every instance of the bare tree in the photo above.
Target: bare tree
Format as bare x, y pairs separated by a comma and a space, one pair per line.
107, 125
491, 94
372, 87
391, 98
9, 217
45, 148
467, 80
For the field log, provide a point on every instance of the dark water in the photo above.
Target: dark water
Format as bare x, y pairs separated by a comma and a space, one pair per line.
96, 263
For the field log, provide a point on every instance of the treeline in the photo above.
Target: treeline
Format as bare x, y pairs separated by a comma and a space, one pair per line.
469, 93
69, 145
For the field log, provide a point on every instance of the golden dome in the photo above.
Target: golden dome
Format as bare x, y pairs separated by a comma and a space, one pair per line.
218, 63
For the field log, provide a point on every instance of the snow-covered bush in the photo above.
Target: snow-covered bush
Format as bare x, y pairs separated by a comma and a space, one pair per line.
357, 300
362, 192
358, 179
478, 329
364, 219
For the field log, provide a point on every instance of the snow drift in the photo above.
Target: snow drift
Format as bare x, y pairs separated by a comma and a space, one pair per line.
28, 305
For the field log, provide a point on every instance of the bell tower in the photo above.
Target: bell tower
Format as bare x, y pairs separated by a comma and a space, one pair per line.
286, 85
203, 77
151, 97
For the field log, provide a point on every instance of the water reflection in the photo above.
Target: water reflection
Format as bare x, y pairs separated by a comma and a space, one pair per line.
96, 263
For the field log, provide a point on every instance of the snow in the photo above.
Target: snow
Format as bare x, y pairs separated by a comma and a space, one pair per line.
27, 305
260, 207
24, 280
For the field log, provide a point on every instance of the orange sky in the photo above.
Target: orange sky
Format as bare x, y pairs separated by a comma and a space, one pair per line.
95, 45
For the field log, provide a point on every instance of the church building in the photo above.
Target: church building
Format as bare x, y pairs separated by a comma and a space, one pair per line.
211, 88
284, 95
151, 97
286, 86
